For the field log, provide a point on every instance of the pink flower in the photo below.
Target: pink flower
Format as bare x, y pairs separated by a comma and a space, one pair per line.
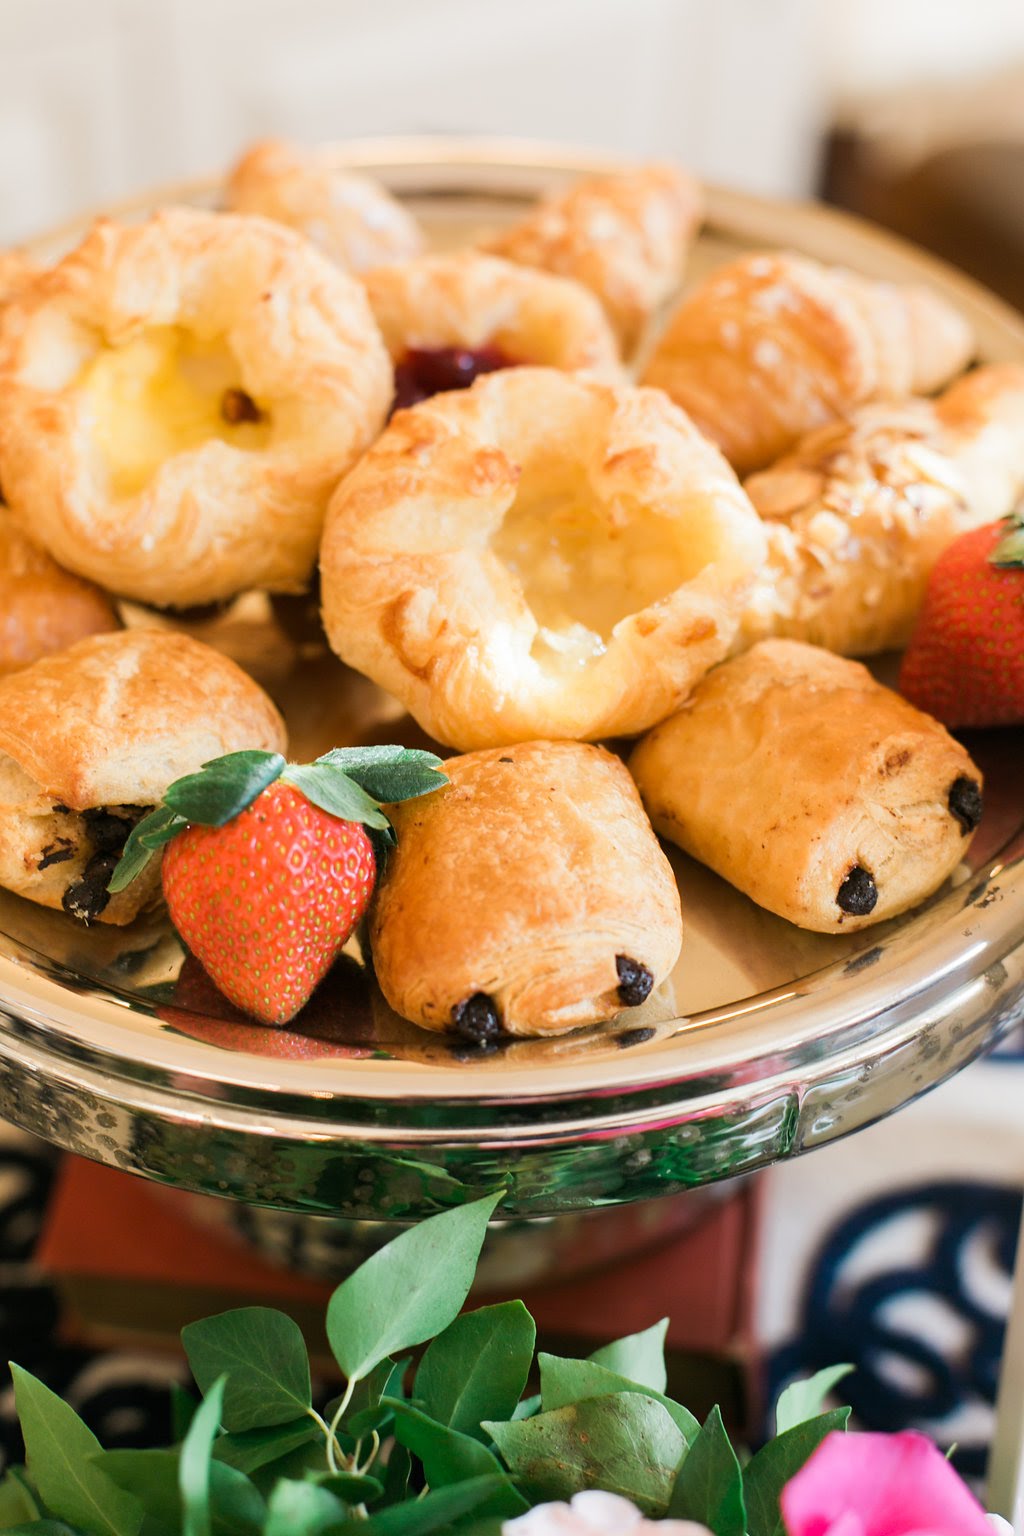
880, 1485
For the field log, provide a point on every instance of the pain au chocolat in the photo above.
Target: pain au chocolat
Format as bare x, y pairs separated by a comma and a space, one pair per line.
89, 741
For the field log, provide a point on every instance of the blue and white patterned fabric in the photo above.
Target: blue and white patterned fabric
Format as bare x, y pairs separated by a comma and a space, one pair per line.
894, 1251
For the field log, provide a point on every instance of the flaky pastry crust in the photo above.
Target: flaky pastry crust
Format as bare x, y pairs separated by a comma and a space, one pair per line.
352, 218
224, 515
17, 271
109, 724
858, 514
525, 892
426, 589
623, 236
43, 608
773, 345
465, 299
802, 781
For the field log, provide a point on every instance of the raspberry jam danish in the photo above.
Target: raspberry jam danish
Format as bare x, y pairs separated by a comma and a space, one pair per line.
537, 556
179, 398
822, 795
529, 897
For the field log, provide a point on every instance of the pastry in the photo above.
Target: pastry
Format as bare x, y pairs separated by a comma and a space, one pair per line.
16, 272
89, 741
528, 897
42, 608
179, 398
448, 318
773, 345
859, 512
538, 555
624, 236
352, 218
822, 795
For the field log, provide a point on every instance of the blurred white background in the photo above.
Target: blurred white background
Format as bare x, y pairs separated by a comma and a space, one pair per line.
101, 99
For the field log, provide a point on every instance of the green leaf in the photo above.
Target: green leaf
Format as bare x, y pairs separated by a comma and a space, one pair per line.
183, 1411
450, 1457
765, 1476
625, 1444
263, 1354
709, 1487
396, 1474
335, 793
196, 1460
409, 1290
295, 1465
144, 839
153, 1477
390, 773
350, 1487
364, 1412
249, 1449
303, 1509
639, 1357
527, 1408
804, 1399
1009, 551
18, 1501
58, 1447
223, 787
43, 1528
564, 1381
418, 1517
477, 1367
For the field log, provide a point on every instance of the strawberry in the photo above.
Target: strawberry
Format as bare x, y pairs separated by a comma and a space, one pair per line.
965, 660
271, 865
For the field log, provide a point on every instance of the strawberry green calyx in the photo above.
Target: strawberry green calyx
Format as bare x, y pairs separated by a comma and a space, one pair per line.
351, 783
1009, 552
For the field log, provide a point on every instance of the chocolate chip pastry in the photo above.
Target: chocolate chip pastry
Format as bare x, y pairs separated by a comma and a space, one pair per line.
527, 898
822, 795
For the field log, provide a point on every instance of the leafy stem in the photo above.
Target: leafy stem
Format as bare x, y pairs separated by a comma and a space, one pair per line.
335, 1425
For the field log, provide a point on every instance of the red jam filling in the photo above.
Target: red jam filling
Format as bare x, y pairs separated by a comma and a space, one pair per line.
426, 371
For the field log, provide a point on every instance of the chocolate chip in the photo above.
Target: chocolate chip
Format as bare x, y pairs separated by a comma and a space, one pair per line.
477, 1019
505, 759
635, 981
60, 809
965, 802
638, 1036
56, 852
236, 406
107, 833
87, 897
858, 894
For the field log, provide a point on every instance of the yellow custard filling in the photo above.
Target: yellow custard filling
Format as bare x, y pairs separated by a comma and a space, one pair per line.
583, 567
161, 394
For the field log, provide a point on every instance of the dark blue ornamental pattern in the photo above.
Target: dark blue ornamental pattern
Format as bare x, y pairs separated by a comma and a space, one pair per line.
924, 1332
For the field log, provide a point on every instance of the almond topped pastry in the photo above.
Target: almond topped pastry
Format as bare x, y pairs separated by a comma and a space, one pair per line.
624, 235
178, 399
352, 218
539, 555
448, 318
89, 741
859, 512
772, 345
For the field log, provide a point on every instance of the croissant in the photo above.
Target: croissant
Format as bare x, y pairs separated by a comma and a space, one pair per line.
623, 236
822, 795
774, 345
859, 513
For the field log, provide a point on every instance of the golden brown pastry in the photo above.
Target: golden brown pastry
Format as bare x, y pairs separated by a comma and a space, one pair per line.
822, 795
773, 345
624, 236
539, 555
528, 897
89, 741
179, 398
16, 272
352, 218
42, 608
448, 318
860, 511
